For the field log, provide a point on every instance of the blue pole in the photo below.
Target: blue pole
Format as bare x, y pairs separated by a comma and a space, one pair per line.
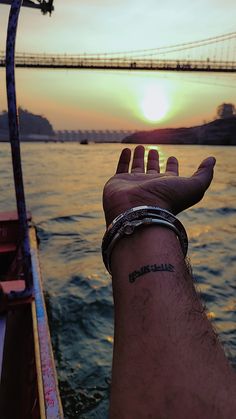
15, 142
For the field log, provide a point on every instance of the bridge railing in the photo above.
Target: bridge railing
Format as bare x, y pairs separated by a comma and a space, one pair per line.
106, 62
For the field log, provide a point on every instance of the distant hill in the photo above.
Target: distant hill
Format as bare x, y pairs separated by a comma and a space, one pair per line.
30, 124
218, 132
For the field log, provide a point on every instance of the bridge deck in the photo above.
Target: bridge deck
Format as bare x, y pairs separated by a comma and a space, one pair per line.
83, 62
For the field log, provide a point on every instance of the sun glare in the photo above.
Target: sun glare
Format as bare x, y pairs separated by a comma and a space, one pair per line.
155, 103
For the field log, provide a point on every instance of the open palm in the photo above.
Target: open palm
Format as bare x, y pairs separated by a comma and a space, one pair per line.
139, 187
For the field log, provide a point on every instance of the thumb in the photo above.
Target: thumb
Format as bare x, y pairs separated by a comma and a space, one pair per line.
205, 171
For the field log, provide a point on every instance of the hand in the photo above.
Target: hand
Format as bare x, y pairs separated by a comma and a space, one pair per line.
167, 190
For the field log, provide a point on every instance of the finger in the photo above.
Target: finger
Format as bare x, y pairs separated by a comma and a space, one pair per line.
172, 165
138, 160
205, 172
153, 162
124, 160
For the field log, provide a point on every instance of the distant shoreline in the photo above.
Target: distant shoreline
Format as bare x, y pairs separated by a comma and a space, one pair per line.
80, 136
218, 132
119, 142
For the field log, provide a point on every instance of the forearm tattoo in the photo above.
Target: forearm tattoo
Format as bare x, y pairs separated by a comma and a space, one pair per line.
146, 269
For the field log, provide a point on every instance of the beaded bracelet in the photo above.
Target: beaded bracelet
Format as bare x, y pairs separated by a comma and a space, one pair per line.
126, 223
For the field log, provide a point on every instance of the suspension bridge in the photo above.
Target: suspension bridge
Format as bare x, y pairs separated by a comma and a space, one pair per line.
215, 54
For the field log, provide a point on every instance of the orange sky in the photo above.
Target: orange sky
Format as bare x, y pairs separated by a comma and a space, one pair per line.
107, 100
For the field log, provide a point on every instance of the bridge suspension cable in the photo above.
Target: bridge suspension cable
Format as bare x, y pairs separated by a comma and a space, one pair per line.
216, 54
171, 48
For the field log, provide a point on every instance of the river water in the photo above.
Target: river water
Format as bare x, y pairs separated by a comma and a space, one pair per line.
63, 184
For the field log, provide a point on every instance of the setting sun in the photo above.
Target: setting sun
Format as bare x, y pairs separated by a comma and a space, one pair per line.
155, 103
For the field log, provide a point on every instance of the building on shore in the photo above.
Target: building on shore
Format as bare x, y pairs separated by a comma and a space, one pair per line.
95, 136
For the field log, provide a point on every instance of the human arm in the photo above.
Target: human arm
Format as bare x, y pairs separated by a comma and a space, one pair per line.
167, 359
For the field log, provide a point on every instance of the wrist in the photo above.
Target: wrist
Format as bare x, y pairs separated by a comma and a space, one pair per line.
112, 213
149, 245
125, 203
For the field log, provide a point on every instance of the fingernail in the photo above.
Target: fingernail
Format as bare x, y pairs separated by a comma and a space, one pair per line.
213, 161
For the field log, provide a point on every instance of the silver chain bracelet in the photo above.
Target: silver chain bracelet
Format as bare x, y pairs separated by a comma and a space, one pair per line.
126, 223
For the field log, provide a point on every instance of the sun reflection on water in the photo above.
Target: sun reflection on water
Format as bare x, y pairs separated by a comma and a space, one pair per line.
162, 155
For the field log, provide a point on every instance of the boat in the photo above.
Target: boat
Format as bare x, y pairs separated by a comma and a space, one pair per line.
28, 379
29, 387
